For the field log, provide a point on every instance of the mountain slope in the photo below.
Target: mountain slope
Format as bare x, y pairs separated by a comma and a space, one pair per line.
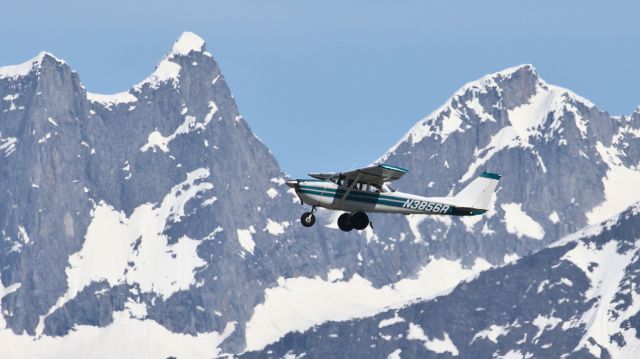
578, 298
158, 211
538, 136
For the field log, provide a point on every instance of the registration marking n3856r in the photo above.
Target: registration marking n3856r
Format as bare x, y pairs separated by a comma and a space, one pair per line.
426, 206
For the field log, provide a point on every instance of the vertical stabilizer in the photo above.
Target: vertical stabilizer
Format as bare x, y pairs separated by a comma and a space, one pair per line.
478, 193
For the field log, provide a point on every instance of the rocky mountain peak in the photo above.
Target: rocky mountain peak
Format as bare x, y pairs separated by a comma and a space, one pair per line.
35, 65
186, 43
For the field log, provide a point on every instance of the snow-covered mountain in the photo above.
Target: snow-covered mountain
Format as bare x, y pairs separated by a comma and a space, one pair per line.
565, 164
156, 216
578, 298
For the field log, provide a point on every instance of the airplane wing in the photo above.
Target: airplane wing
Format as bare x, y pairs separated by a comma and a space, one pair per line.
377, 174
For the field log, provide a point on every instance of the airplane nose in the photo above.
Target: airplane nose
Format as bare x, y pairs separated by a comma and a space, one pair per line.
292, 183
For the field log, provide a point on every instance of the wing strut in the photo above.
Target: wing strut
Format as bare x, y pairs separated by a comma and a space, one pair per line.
351, 187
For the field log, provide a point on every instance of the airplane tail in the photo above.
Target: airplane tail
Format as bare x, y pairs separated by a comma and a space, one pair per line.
477, 194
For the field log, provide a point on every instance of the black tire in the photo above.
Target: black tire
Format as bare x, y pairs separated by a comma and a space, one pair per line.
359, 220
344, 222
308, 219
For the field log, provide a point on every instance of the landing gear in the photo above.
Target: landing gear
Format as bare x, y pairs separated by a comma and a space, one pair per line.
344, 222
308, 218
358, 220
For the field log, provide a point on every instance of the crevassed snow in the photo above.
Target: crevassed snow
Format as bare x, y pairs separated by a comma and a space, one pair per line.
134, 250
435, 345
245, 238
190, 123
300, 303
617, 184
519, 223
125, 337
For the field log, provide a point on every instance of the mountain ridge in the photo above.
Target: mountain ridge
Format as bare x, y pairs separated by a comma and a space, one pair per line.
159, 157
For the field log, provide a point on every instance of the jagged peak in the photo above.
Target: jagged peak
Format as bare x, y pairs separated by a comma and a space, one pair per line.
25, 68
446, 119
495, 78
168, 69
186, 43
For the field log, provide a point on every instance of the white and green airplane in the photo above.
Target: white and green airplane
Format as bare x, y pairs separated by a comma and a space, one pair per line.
366, 190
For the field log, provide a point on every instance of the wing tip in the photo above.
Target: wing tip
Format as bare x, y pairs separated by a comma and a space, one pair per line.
490, 175
394, 168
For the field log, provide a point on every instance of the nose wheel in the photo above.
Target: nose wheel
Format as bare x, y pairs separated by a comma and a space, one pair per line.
308, 218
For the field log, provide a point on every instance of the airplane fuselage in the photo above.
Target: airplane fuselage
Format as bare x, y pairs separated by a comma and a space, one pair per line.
329, 195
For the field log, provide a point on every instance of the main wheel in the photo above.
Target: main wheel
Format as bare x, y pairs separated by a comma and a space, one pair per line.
308, 219
344, 222
359, 220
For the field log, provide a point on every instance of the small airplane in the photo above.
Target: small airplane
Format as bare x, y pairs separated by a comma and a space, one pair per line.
366, 190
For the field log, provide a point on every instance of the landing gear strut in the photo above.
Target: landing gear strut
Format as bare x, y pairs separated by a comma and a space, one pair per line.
308, 218
358, 220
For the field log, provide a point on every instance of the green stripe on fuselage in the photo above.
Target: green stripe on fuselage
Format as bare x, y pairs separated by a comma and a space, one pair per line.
355, 198
341, 192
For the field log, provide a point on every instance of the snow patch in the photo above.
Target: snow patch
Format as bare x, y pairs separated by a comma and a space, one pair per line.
492, 333
617, 182
272, 193
246, 239
603, 318
186, 43
299, 303
395, 354
157, 140
335, 274
435, 345
519, 223
276, 228
554, 218
111, 100
4, 291
391, 321
134, 250
25, 68
544, 323
125, 337
8, 145
22, 233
